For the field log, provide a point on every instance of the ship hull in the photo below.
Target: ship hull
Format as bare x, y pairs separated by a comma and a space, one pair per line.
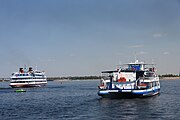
114, 94
27, 85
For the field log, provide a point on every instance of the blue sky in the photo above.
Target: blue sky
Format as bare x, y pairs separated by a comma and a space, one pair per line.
84, 37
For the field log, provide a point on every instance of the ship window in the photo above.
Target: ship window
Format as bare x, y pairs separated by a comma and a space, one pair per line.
17, 75
149, 85
38, 75
149, 74
20, 78
156, 83
134, 67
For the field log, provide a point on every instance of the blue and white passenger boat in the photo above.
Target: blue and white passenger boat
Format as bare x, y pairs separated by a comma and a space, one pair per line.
30, 78
130, 81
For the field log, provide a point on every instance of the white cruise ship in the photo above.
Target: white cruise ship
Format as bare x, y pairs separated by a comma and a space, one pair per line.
28, 78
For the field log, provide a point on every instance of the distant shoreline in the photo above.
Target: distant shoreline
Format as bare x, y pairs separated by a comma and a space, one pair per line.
86, 78
74, 78
169, 78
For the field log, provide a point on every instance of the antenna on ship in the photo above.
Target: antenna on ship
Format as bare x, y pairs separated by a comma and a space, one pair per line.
36, 68
119, 65
25, 68
135, 57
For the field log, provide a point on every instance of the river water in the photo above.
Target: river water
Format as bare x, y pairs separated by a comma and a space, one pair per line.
78, 100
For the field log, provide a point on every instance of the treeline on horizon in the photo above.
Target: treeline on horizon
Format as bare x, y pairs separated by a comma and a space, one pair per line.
74, 78
169, 75
96, 77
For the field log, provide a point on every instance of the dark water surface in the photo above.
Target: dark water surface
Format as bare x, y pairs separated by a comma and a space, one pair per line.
79, 100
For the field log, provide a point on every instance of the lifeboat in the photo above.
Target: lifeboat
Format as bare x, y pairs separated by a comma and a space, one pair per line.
122, 79
142, 85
